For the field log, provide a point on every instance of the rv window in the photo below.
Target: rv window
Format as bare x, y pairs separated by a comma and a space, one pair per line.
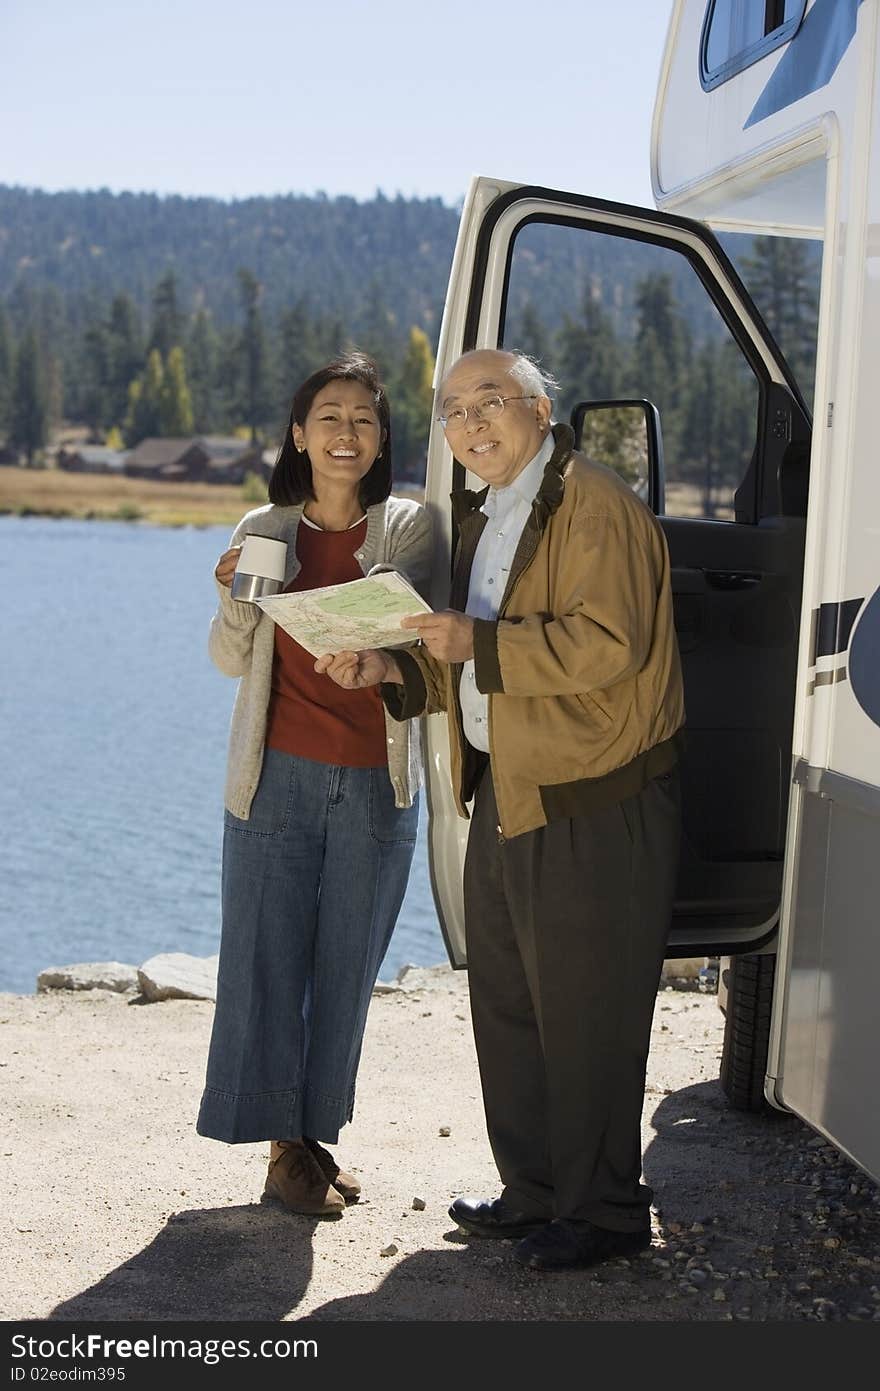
614, 317
736, 33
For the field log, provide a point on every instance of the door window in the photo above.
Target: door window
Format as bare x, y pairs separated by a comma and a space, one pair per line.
614, 317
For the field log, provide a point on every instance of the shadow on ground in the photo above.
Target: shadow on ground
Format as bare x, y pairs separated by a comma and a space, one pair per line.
247, 1262
755, 1218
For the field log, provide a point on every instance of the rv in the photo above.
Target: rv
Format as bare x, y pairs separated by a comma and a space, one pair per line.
723, 350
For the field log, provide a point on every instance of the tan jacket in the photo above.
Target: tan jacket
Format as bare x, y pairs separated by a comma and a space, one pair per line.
581, 666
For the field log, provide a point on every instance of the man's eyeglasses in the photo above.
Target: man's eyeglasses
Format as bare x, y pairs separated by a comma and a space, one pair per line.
488, 409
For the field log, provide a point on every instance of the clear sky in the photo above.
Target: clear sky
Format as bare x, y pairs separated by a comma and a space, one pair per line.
239, 97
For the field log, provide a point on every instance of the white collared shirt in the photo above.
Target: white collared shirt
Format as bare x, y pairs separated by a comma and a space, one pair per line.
508, 511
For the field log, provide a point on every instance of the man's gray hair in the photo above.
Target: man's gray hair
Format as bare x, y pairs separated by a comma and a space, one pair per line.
533, 379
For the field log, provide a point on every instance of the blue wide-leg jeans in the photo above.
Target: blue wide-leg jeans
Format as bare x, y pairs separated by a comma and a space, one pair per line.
312, 885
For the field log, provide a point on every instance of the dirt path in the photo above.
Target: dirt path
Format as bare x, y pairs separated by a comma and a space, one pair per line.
114, 1208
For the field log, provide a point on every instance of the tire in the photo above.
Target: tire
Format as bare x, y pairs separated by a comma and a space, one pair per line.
747, 1031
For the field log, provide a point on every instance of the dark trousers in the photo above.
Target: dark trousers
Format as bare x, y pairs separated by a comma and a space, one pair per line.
566, 931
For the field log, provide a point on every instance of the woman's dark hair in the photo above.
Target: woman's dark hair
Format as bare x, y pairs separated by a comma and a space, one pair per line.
291, 479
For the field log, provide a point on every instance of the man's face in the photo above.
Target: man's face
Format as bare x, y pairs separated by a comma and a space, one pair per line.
499, 448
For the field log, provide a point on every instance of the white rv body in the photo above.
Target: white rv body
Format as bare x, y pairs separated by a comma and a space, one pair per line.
786, 145
813, 166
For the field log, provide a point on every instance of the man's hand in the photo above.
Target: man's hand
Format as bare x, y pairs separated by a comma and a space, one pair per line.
448, 636
354, 671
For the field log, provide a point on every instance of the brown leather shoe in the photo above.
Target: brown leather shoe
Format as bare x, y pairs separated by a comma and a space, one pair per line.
296, 1179
344, 1183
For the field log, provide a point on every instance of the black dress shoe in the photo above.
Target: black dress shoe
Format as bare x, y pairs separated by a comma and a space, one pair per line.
564, 1245
492, 1217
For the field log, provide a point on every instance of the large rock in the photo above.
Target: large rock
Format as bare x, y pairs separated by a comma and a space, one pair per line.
92, 975
177, 976
410, 978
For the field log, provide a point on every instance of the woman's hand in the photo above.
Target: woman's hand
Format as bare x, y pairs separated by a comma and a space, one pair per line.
225, 567
354, 671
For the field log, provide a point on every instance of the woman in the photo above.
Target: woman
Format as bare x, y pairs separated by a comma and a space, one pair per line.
321, 803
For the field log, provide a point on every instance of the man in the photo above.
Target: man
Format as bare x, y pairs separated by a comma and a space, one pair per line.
558, 667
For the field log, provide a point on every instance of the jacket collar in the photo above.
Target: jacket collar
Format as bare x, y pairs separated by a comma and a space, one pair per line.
549, 495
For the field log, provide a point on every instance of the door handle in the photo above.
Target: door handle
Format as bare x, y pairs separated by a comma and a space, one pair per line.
732, 579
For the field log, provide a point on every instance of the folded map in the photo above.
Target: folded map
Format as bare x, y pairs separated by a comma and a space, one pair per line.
348, 617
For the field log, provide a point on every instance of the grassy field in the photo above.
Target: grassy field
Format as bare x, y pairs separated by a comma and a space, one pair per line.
54, 493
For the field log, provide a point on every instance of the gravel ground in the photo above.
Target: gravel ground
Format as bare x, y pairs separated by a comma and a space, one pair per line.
114, 1208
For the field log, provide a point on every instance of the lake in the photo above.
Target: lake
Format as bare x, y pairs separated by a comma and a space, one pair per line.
113, 728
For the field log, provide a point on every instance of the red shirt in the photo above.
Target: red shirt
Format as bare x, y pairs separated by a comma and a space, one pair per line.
309, 714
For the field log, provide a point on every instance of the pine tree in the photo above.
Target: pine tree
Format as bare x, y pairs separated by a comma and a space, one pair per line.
166, 331
530, 336
228, 392
588, 355
53, 376
783, 279
661, 354
701, 440
7, 368
252, 350
201, 356
95, 396
660, 335
333, 338
717, 431
144, 418
30, 409
377, 333
299, 354
412, 398
737, 420
52, 329
125, 355
175, 402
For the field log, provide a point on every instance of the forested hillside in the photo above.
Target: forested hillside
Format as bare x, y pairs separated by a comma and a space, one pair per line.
332, 252
134, 314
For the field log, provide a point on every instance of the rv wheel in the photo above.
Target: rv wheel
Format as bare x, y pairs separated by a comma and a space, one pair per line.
747, 1030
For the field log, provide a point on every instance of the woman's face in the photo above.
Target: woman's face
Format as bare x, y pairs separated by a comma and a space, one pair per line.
341, 435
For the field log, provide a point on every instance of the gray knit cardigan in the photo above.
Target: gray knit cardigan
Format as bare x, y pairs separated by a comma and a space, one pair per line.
242, 641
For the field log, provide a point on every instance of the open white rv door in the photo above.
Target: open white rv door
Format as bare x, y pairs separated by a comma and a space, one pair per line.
781, 808
736, 572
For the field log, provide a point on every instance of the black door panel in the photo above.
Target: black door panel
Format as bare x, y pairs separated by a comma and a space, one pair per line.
736, 592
